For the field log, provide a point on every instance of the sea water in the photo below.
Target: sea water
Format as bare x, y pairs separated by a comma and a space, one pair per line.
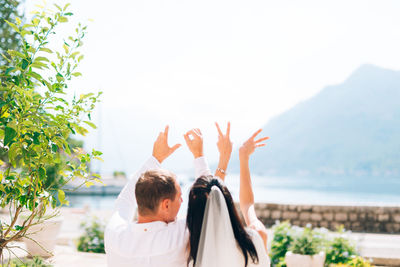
374, 191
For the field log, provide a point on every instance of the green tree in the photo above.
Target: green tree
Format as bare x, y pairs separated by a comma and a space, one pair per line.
9, 39
36, 119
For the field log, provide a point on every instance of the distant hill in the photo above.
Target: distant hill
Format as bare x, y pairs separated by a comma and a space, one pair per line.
348, 129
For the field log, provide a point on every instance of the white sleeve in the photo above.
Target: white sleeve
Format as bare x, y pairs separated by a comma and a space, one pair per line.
263, 258
125, 205
201, 167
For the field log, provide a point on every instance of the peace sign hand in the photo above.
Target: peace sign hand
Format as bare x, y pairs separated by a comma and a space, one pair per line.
250, 145
161, 149
224, 143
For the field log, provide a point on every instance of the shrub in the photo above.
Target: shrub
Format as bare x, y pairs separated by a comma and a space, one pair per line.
309, 242
340, 249
283, 237
355, 261
93, 238
35, 262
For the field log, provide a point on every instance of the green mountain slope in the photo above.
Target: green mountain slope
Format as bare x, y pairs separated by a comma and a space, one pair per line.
347, 129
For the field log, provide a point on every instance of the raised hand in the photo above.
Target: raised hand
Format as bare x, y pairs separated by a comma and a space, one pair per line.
250, 145
194, 141
161, 149
224, 145
246, 196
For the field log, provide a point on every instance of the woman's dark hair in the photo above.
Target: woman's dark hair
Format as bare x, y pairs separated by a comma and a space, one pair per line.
198, 196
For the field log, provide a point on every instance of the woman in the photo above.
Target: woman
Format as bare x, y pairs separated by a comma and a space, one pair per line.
217, 236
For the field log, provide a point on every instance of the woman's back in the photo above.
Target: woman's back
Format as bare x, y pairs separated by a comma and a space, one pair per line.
235, 258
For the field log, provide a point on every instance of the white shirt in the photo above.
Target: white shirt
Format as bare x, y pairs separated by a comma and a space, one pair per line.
128, 243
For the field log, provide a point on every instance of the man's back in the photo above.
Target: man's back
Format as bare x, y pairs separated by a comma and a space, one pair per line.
148, 244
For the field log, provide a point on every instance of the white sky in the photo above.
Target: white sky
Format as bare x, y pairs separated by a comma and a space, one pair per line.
190, 63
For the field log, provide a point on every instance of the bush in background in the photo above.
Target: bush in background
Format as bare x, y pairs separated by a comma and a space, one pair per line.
340, 250
93, 238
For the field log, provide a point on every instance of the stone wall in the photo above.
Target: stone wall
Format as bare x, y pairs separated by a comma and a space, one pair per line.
355, 218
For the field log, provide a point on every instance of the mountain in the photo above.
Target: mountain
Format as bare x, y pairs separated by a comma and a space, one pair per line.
350, 129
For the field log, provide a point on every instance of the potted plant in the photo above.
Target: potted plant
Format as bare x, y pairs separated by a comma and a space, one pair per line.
37, 117
306, 250
41, 237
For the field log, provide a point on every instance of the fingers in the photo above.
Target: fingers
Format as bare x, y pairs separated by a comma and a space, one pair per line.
228, 129
175, 147
260, 145
187, 138
255, 134
197, 130
166, 131
219, 129
261, 139
195, 133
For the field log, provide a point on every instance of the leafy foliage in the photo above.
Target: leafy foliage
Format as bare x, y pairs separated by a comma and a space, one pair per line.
355, 261
37, 119
339, 249
9, 39
35, 262
283, 237
308, 242
93, 238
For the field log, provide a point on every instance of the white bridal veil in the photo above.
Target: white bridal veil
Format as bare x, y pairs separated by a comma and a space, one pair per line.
217, 245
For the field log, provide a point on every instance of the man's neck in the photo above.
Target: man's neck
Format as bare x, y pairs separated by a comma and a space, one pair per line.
149, 219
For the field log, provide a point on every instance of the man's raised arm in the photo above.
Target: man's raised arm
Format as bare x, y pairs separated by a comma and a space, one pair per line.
126, 201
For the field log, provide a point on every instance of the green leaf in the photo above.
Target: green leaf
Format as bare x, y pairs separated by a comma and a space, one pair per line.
36, 138
66, 49
12, 25
18, 20
59, 77
47, 50
41, 59
58, 7
42, 173
76, 74
39, 65
27, 26
35, 75
9, 135
69, 14
15, 53
66, 6
61, 197
25, 64
63, 19
97, 153
54, 148
18, 228
8, 70
89, 184
13, 153
91, 124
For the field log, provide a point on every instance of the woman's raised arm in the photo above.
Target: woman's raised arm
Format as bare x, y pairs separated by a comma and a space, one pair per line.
246, 195
224, 145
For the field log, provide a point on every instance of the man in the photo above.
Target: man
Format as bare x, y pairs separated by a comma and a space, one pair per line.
156, 238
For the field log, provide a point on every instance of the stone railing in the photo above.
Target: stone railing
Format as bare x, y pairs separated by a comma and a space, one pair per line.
355, 218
